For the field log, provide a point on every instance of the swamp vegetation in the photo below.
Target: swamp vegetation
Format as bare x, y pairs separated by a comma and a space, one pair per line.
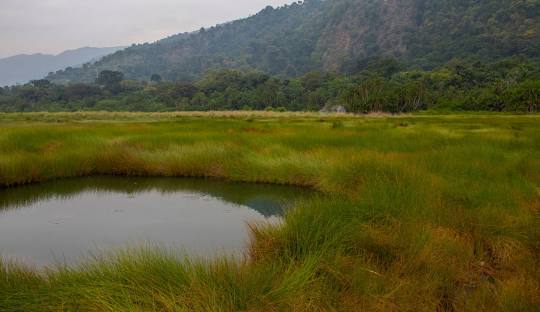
421, 213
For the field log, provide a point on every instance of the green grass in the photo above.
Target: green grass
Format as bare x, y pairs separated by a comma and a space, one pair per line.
422, 213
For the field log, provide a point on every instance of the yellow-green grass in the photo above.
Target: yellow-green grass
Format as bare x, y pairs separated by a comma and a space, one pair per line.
421, 213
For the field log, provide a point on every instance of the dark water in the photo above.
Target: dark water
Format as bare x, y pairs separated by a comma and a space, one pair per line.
66, 220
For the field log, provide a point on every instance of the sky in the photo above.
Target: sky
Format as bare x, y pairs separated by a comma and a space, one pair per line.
52, 26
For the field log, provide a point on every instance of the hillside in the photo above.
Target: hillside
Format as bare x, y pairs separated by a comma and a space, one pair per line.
23, 68
336, 35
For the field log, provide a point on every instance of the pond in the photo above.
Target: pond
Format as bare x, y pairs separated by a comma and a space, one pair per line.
64, 221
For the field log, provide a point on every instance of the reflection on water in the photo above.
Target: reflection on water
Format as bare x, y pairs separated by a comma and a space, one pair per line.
63, 220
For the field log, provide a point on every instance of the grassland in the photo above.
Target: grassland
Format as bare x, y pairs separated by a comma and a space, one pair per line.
423, 213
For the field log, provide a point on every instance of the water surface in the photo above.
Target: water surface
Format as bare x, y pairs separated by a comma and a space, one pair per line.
66, 220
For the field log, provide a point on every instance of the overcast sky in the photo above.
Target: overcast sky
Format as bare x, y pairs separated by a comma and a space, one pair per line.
52, 26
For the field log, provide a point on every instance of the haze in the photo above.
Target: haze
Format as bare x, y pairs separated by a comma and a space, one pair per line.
52, 26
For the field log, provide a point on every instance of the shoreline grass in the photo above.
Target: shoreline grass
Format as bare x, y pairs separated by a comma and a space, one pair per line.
426, 212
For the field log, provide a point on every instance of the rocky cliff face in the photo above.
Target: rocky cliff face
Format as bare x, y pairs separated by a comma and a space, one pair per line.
364, 29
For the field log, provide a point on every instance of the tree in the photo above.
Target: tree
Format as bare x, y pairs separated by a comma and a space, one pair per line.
156, 78
411, 96
366, 96
110, 80
527, 96
80, 91
41, 83
29, 93
532, 95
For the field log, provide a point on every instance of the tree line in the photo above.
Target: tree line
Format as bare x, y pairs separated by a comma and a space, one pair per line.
376, 85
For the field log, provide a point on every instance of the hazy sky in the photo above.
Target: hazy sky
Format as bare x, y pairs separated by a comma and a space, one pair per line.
51, 26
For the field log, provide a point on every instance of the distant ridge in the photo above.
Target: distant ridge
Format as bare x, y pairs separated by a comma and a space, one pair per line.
22, 68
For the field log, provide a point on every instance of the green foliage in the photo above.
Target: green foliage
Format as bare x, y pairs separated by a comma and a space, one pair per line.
155, 78
110, 80
382, 86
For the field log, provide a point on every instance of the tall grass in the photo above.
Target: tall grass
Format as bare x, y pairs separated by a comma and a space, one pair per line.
422, 213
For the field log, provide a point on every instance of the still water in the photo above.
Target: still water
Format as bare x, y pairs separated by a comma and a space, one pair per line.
65, 221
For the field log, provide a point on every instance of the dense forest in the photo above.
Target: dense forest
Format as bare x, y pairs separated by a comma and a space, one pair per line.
379, 84
335, 36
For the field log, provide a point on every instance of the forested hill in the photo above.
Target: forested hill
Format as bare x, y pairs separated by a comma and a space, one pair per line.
336, 35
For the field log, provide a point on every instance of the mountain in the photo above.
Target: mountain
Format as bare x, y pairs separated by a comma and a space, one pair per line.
336, 35
23, 68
